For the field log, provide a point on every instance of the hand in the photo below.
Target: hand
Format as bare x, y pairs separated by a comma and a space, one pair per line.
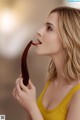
25, 95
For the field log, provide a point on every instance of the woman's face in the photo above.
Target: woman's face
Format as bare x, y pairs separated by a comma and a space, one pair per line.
49, 36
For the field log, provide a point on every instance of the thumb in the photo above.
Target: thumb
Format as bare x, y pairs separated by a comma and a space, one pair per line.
31, 85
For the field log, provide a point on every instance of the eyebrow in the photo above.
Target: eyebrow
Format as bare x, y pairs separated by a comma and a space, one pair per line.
47, 23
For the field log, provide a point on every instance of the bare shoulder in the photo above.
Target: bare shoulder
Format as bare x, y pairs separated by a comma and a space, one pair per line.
74, 107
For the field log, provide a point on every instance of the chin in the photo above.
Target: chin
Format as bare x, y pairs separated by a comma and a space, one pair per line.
42, 53
39, 53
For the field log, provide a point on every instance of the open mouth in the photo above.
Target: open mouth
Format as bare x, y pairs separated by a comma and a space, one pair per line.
37, 43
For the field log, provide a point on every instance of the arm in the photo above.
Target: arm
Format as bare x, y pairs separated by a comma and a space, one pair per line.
35, 114
74, 107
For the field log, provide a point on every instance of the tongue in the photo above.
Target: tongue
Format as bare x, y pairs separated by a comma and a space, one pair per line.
35, 43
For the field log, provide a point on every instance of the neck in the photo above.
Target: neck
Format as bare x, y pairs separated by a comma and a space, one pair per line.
59, 61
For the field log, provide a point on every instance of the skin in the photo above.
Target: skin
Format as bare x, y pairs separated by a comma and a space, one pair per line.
26, 97
51, 46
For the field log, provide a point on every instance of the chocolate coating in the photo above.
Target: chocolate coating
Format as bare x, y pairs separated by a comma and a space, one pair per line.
24, 68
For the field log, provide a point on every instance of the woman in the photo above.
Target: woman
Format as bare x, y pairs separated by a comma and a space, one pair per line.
60, 98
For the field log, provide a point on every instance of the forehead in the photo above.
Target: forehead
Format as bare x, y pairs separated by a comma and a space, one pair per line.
53, 18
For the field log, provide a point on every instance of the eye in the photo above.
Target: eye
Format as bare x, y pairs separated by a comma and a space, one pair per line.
49, 28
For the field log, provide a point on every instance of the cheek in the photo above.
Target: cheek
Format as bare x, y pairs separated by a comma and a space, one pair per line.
53, 42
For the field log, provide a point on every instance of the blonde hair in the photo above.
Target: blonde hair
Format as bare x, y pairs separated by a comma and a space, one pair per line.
69, 29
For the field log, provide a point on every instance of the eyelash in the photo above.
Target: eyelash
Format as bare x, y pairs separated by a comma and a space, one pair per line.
49, 28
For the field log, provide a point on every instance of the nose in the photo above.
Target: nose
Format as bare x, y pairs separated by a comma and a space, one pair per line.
40, 32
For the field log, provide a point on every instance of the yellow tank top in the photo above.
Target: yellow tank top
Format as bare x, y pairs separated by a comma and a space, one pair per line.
60, 111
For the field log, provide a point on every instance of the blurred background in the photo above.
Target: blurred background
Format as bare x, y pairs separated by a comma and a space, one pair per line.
19, 21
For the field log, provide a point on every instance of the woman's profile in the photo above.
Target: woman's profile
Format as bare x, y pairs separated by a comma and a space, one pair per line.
60, 98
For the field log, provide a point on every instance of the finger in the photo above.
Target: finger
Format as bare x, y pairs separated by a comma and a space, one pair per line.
24, 88
31, 84
20, 75
17, 80
14, 93
18, 89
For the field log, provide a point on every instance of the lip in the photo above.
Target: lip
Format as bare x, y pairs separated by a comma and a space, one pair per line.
37, 43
